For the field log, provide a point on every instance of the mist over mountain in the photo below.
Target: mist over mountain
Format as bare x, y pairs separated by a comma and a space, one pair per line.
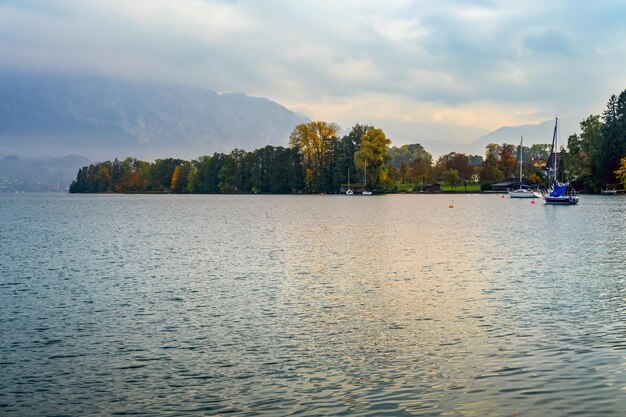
38, 174
54, 115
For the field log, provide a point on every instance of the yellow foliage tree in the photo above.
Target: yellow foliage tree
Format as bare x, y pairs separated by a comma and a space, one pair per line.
315, 141
180, 178
373, 154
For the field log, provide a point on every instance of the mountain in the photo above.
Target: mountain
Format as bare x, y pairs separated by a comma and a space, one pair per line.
540, 133
43, 174
43, 115
533, 134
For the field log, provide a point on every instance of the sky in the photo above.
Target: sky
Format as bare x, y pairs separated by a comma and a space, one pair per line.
461, 67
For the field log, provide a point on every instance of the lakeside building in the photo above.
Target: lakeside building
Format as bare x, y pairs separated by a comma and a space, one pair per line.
511, 183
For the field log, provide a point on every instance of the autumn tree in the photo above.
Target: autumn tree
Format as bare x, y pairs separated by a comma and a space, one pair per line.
316, 141
506, 160
372, 156
135, 177
458, 162
421, 169
180, 178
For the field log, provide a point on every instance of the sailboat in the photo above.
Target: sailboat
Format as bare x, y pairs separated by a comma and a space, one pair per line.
522, 191
349, 192
365, 190
558, 193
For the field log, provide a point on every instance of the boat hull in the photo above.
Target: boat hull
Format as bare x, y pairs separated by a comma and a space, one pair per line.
562, 200
523, 194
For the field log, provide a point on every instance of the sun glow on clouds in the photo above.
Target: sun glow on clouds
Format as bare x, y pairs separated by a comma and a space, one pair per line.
399, 109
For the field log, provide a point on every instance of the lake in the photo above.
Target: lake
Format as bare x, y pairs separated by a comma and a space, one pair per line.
311, 305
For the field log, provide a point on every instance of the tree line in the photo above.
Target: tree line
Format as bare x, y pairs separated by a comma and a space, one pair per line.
317, 160
596, 158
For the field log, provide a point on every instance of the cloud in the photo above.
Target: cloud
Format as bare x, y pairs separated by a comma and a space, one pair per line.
479, 63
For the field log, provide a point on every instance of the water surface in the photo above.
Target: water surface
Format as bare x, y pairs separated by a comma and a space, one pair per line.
311, 305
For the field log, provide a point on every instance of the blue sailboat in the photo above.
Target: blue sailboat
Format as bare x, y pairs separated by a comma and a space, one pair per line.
556, 192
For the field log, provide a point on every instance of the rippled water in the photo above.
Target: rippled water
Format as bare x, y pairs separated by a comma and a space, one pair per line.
311, 305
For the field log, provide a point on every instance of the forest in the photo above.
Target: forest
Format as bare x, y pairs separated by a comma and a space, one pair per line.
317, 160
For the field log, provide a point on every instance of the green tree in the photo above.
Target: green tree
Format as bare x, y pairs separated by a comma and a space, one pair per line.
621, 172
582, 158
162, 171
204, 177
79, 185
403, 172
613, 144
452, 177
537, 151
103, 177
412, 161
490, 174
347, 147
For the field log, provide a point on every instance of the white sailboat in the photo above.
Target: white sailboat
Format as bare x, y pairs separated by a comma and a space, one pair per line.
365, 190
349, 192
522, 191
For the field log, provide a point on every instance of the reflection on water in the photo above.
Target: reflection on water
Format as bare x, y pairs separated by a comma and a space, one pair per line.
312, 305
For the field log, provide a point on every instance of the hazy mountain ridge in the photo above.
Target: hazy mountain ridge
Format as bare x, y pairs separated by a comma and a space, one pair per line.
532, 133
540, 133
55, 115
44, 174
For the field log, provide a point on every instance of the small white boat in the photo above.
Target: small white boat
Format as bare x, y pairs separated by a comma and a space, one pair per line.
522, 191
609, 192
349, 192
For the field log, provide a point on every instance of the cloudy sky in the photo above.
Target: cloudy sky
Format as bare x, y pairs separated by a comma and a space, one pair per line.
480, 64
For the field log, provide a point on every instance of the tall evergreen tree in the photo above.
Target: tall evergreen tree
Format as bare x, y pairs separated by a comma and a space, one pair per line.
613, 144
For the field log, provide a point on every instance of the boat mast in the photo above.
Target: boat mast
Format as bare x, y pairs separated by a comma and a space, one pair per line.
555, 145
551, 171
365, 175
521, 158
